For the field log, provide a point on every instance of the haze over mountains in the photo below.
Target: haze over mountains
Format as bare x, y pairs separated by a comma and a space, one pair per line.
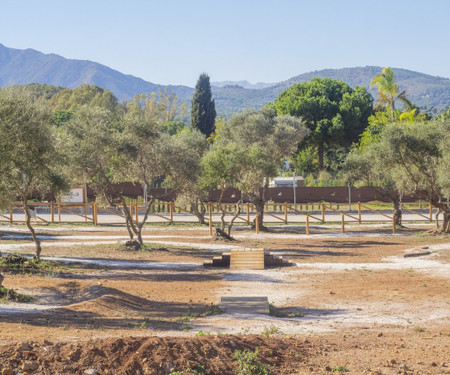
30, 66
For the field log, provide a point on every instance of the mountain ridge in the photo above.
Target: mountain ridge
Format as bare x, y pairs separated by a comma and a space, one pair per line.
24, 66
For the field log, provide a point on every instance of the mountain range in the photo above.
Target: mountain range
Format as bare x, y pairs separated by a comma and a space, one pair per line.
22, 67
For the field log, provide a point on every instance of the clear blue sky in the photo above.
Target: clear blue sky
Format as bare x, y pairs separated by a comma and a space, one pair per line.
173, 41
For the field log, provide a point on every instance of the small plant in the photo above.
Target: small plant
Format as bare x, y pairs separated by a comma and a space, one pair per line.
201, 333
339, 369
419, 329
272, 330
296, 314
249, 363
186, 328
213, 310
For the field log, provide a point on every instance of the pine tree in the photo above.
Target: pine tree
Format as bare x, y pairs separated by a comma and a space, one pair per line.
203, 113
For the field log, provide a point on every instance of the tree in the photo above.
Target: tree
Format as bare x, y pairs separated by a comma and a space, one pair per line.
388, 92
183, 171
416, 158
203, 112
30, 152
366, 165
334, 113
105, 149
264, 141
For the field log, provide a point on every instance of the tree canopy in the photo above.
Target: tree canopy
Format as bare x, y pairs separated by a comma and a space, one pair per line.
334, 113
203, 111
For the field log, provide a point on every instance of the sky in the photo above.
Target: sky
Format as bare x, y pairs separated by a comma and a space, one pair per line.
174, 41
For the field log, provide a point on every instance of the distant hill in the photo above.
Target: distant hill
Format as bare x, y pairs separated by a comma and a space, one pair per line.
243, 84
29, 66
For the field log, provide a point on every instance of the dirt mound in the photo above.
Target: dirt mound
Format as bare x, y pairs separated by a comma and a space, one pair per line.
154, 355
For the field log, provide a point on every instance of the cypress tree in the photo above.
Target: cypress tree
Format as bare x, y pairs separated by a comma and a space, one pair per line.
203, 112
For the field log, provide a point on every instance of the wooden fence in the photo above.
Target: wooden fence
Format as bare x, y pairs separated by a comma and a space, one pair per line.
169, 212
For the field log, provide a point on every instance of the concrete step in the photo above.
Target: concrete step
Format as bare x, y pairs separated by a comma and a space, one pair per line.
245, 305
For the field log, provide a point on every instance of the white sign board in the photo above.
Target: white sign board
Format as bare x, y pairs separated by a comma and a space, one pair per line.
75, 196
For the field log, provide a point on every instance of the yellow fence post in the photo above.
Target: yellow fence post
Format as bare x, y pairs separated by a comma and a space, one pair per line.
323, 212
431, 213
343, 223
359, 212
257, 223
285, 213
94, 213
210, 219
307, 225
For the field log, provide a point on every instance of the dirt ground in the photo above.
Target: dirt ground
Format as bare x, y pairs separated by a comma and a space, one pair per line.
351, 303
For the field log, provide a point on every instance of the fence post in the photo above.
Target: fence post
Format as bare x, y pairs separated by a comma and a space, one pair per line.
171, 204
94, 213
210, 219
343, 223
85, 212
52, 209
431, 213
307, 225
248, 213
323, 212
394, 229
257, 223
136, 208
59, 212
285, 213
11, 213
359, 212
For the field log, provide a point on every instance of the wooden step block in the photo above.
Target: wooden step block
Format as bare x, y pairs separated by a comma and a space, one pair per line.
250, 259
245, 305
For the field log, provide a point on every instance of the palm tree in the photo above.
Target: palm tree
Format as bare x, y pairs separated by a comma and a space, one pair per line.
388, 91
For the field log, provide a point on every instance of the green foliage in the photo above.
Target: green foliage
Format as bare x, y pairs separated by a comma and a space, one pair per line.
173, 127
334, 113
203, 111
249, 363
61, 116
10, 295
339, 369
272, 330
30, 150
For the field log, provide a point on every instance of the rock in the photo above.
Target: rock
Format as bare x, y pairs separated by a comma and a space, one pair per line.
29, 366
420, 254
23, 347
328, 368
8, 371
393, 361
91, 371
380, 334
46, 342
433, 364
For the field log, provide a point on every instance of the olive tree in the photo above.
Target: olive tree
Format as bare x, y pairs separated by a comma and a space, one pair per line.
264, 140
30, 152
183, 171
416, 158
365, 165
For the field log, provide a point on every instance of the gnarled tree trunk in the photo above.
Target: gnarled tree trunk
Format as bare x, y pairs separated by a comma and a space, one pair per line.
26, 210
397, 211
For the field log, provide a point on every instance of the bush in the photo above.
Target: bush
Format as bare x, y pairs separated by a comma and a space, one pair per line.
249, 364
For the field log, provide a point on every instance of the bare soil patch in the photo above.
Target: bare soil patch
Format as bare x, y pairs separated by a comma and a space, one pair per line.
361, 311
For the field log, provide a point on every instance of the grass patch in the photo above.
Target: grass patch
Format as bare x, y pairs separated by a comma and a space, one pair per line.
18, 264
10, 295
272, 330
339, 369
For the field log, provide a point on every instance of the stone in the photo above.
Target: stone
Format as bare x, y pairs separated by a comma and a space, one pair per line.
91, 371
8, 371
23, 347
380, 334
29, 366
